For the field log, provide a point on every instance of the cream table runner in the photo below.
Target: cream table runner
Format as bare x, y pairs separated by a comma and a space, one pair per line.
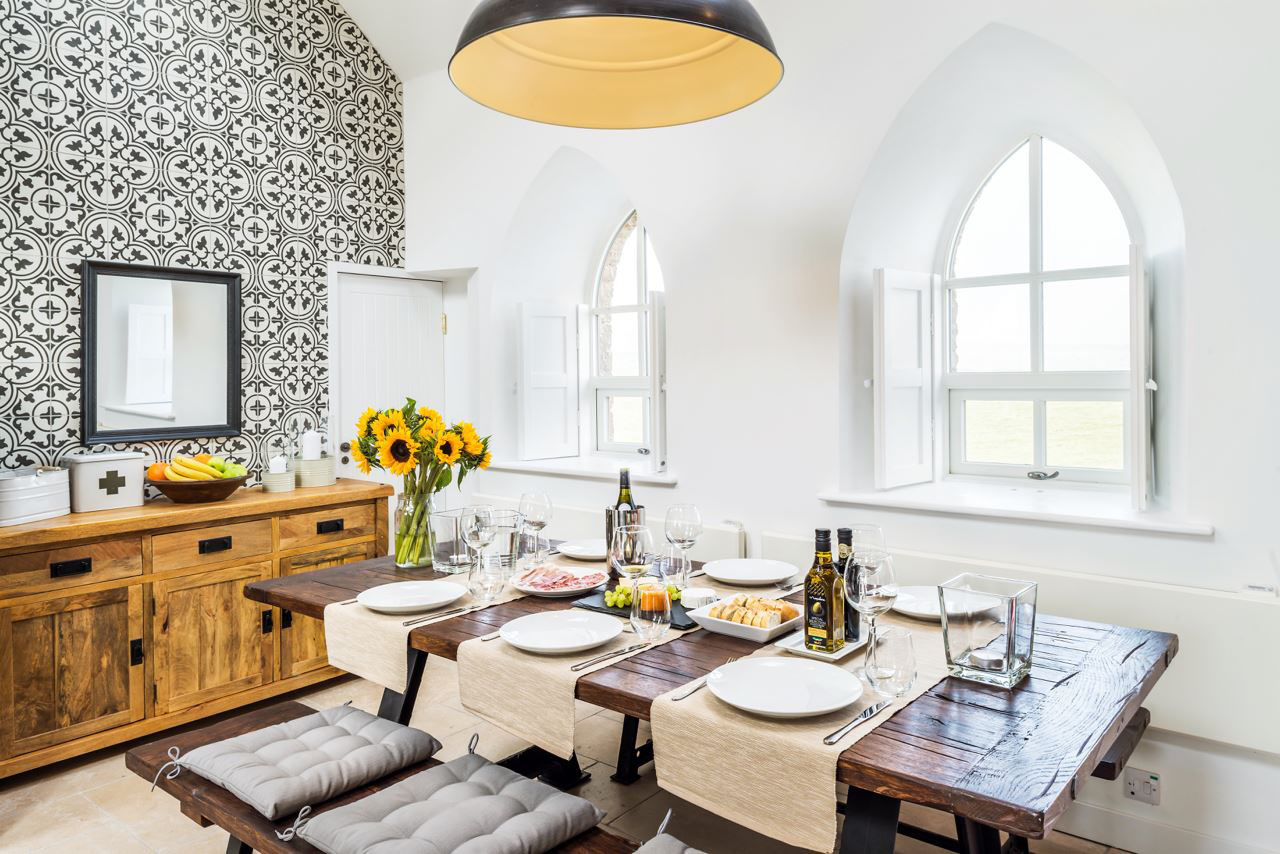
532, 696
375, 646
773, 776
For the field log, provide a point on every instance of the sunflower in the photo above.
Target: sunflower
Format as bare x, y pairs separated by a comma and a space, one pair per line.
431, 424
468, 433
392, 419
449, 448
363, 422
475, 448
430, 414
398, 451
360, 459
485, 460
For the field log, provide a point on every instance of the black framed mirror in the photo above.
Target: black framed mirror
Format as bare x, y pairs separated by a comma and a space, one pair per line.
160, 353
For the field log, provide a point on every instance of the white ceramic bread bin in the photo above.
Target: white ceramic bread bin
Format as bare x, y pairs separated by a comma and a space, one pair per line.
33, 493
105, 481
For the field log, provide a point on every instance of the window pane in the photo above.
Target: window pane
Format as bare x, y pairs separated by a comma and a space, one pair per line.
999, 431
996, 234
1086, 325
653, 270
620, 344
1083, 226
619, 275
624, 419
991, 328
1085, 434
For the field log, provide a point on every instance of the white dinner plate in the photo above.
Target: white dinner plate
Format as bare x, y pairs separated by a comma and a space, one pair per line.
749, 571
586, 586
552, 632
411, 597
781, 687
585, 549
922, 603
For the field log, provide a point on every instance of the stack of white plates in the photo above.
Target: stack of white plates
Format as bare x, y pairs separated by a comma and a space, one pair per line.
319, 472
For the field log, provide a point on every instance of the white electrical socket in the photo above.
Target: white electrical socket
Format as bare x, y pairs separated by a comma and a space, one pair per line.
1142, 786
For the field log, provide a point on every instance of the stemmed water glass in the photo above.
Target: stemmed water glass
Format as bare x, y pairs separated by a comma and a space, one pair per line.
536, 508
683, 527
631, 552
871, 587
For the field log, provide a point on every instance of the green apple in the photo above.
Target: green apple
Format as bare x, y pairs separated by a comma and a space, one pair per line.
219, 463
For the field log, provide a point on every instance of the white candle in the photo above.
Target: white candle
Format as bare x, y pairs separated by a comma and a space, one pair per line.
311, 445
278, 464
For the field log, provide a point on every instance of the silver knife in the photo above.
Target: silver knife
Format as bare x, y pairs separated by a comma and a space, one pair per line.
869, 712
590, 661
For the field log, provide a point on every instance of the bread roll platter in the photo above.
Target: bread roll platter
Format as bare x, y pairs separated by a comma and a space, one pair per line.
748, 617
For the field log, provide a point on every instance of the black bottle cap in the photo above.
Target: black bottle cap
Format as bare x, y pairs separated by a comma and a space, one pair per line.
845, 535
822, 536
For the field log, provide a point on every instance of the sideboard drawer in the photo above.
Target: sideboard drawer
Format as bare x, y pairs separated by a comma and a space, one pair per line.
215, 544
70, 566
325, 526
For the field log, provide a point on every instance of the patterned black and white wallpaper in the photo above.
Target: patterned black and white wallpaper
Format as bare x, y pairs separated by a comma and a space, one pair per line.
259, 136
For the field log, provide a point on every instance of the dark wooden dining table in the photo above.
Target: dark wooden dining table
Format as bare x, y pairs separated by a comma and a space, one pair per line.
998, 760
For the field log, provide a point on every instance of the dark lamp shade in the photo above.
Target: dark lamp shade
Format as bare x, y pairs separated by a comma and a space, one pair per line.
619, 64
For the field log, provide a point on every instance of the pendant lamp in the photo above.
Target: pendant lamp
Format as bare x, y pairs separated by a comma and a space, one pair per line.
615, 63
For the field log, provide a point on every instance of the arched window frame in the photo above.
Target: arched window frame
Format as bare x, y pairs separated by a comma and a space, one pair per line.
649, 385
1041, 387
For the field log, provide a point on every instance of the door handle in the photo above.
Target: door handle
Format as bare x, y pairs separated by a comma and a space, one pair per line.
330, 526
214, 545
345, 447
64, 568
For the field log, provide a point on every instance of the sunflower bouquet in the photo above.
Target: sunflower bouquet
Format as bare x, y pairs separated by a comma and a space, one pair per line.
415, 443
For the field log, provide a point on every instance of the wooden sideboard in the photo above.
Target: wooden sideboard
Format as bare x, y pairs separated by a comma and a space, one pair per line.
120, 623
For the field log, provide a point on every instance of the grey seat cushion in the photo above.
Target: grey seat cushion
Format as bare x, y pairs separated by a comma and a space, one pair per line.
465, 806
308, 760
664, 844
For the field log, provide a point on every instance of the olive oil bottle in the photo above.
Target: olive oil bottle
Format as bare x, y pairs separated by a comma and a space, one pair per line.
823, 599
844, 554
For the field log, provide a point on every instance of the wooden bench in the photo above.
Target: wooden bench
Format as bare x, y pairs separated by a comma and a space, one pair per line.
206, 804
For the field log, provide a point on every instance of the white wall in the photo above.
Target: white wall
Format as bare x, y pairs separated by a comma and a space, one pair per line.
750, 214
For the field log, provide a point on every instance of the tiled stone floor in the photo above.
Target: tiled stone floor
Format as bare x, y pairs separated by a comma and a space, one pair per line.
94, 804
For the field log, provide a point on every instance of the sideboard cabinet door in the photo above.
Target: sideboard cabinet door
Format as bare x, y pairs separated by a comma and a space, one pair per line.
302, 646
210, 641
70, 667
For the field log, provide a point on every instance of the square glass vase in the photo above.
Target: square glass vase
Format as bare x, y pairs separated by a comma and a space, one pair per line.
988, 625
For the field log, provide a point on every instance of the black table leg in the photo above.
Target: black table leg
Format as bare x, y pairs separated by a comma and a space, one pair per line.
870, 823
399, 707
235, 846
630, 757
547, 767
976, 838
1016, 845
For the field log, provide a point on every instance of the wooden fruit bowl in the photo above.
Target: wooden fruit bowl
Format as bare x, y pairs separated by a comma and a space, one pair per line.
198, 491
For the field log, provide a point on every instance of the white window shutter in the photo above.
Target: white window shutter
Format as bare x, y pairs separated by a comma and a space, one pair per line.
1141, 382
903, 377
658, 381
547, 391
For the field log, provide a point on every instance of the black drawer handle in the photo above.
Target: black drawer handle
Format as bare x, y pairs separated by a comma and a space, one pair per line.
135, 652
330, 526
64, 568
215, 544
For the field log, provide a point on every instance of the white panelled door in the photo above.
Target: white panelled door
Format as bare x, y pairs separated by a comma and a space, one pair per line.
386, 343
903, 380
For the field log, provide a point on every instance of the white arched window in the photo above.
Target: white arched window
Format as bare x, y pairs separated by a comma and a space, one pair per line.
1035, 353
625, 387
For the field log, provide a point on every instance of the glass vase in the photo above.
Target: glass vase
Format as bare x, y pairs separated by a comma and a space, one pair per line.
415, 541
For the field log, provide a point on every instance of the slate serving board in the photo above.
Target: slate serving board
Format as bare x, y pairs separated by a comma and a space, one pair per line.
680, 618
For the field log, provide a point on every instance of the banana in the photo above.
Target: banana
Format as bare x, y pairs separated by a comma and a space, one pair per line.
170, 474
188, 463
184, 468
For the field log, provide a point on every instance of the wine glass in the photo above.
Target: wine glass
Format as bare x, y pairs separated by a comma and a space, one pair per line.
867, 538
683, 527
891, 664
536, 509
871, 587
651, 608
631, 552
479, 527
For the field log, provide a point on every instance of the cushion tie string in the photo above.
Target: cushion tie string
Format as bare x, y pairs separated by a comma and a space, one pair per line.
663, 827
173, 754
290, 832
473, 743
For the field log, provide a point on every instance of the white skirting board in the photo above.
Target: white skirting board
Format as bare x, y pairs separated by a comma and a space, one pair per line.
1214, 737
725, 539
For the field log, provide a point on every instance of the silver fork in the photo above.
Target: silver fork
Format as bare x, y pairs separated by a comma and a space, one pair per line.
599, 658
702, 683
438, 615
